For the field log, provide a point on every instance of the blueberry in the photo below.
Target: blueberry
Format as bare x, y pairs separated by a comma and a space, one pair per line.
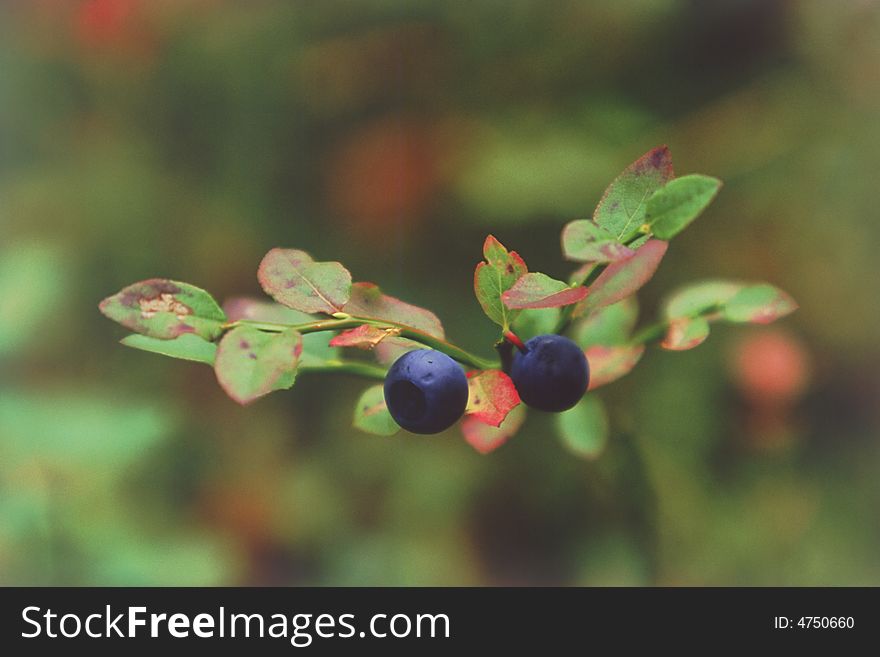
551, 374
426, 391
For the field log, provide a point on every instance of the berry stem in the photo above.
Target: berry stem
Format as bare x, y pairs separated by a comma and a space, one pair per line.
452, 350
512, 338
367, 370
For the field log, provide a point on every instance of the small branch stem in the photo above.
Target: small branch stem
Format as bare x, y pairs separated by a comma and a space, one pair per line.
347, 367
426, 339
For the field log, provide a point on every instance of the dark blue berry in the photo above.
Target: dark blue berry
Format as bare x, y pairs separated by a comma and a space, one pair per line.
551, 374
426, 391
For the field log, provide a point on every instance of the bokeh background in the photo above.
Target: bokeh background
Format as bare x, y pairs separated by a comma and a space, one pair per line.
184, 139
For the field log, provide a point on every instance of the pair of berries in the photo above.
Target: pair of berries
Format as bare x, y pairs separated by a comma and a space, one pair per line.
426, 391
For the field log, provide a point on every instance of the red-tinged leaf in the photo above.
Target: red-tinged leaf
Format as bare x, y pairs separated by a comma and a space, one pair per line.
295, 280
494, 277
165, 309
608, 364
701, 298
685, 333
491, 396
584, 241
251, 363
485, 438
368, 302
362, 337
624, 278
540, 291
758, 304
622, 208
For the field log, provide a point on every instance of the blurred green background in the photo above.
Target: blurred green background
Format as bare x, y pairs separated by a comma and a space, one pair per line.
184, 139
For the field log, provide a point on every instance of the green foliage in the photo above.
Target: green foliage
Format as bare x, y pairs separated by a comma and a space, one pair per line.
672, 208
371, 414
185, 347
584, 428
585, 241
610, 325
367, 301
622, 209
496, 276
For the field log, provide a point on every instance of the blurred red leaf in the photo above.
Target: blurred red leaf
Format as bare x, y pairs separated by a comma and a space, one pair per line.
685, 333
485, 438
608, 364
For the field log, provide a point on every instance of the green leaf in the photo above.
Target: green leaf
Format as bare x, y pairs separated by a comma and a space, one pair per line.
671, 209
624, 278
186, 347
622, 208
251, 363
686, 333
611, 325
295, 280
584, 428
699, 298
371, 414
607, 364
584, 241
165, 309
491, 396
316, 346
540, 291
368, 302
494, 277
758, 304
484, 437
535, 321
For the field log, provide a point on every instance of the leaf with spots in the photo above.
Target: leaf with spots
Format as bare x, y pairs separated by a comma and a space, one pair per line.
583, 429
316, 348
585, 241
165, 309
295, 280
671, 209
494, 277
685, 333
368, 302
758, 304
365, 336
540, 291
371, 414
607, 364
251, 363
622, 208
185, 347
491, 396
484, 437
624, 278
